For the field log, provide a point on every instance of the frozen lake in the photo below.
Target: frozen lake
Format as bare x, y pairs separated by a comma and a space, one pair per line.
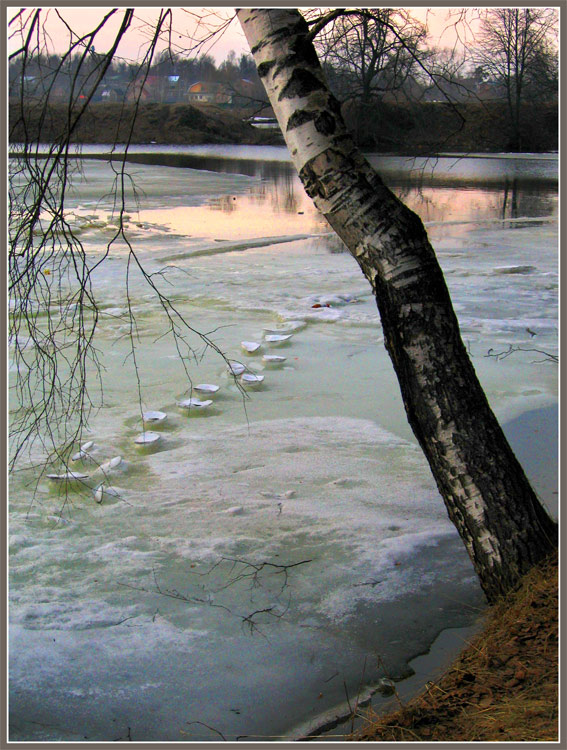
285, 545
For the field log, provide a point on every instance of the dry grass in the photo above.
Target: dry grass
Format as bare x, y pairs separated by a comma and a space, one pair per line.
503, 687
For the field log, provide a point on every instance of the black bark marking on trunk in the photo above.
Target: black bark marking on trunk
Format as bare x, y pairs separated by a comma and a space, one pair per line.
300, 117
325, 123
300, 84
288, 63
265, 67
298, 30
257, 47
302, 55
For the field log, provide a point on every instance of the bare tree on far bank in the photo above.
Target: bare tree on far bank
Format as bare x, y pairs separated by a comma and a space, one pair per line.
515, 49
371, 55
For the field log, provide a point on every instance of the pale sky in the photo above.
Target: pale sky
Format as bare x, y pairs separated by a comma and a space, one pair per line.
184, 28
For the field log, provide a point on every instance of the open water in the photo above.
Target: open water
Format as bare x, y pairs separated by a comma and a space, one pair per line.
281, 550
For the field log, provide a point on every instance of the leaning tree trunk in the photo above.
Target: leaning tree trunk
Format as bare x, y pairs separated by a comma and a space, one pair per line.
503, 525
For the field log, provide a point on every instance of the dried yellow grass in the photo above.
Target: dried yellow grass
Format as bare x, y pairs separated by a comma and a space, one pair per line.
504, 685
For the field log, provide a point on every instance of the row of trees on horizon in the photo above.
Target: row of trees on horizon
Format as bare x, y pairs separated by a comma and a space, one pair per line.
370, 56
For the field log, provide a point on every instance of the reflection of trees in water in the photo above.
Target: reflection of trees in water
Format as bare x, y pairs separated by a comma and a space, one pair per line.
426, 204
428, 207
280, 184
274, 170
281, 190
260, 193
403, 191
433, 195
284, 197
518, 198
266, 170
510, 199
226, 203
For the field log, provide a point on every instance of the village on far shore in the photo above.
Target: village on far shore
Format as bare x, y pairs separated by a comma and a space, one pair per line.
191, 101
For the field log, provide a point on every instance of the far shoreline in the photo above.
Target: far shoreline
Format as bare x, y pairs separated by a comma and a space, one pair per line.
423, 128
116, 150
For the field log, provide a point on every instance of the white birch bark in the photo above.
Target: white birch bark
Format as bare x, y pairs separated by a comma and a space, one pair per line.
488, 498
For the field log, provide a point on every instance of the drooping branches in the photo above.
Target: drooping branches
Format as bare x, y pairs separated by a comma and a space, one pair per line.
54, 311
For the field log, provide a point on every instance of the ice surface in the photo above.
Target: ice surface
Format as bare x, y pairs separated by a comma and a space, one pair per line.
337, 501
170, 602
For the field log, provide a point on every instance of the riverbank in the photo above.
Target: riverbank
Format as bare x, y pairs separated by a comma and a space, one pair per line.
424, 128
117, 123
430, 127
503, 687
433, 695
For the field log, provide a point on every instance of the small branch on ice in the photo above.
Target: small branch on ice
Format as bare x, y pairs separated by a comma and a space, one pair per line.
251, 571
368, 583
253, 627
548, 357
202, 723
173, 594
247, 620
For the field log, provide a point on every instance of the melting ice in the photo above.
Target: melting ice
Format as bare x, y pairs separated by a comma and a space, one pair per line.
287, 540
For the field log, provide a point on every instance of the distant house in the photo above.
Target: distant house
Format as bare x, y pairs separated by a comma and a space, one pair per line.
143, 90
110, 95
491, 90
156, 88
209, 92
173, 89
245, 93
113, 89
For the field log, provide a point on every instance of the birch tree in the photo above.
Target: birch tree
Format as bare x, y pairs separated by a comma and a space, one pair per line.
487, 495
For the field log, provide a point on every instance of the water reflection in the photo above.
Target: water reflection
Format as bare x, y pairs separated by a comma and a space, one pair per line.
281, 191
268, 210
440, 190
266, 170
510, 198
509, 201
226, 203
